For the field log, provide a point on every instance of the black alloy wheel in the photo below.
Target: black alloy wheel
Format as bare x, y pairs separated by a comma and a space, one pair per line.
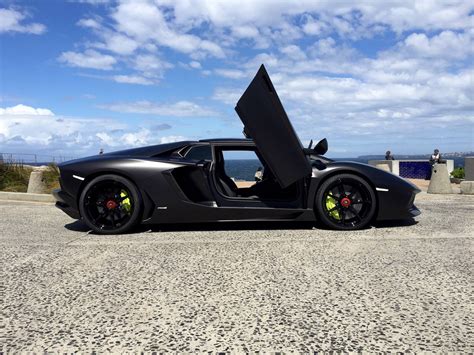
110, 204
345, 202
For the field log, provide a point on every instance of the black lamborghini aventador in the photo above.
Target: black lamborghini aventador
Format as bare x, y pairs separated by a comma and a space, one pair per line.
189, 182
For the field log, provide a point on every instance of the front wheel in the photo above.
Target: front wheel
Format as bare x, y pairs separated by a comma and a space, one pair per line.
110, 204
345, 202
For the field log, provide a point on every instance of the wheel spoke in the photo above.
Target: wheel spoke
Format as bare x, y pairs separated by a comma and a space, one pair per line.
358, 202
352, 191
342, 216
340, 188
353, 210
112, 219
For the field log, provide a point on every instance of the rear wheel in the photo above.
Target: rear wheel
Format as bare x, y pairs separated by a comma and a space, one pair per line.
110, 204
345, 202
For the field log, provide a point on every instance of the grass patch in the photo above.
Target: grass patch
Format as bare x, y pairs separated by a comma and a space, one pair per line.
14, 177
51, 177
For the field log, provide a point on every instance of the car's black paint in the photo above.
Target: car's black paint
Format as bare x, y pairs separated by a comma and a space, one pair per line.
176, 188
265, 120
395, 196
169, 199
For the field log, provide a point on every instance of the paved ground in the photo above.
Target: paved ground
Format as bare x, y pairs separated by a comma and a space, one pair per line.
398, 287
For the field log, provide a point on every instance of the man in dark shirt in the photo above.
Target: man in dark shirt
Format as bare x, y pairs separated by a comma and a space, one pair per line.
389, 156
436, 158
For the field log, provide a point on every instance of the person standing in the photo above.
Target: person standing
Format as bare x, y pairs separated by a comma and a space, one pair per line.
388, 155
436, 158
259, 174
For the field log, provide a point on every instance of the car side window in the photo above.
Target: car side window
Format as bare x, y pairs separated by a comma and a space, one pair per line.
200, 152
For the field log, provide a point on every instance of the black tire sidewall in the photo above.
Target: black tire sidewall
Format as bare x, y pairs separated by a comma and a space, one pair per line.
321, 215
137, 203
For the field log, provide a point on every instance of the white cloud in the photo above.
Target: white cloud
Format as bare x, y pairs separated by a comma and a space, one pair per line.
342, 17
120, 44
27, 129
35, 127
231, 73
93, 2
314, 27
294, 52
228, 96
171, 139
132, 79
417, 89
151, 65
89, 59
447, 44
89, 23
25, 110
327, 81
12, 20
135, 139
177, 109
195, 64
145, 22
245, 31
219, 29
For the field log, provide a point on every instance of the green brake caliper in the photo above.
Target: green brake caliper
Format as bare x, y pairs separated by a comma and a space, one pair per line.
126, 205
330, 204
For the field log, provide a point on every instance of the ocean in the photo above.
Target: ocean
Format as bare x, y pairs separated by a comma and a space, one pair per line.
244, 169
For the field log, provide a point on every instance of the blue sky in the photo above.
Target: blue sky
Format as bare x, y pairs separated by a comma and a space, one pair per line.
77, 76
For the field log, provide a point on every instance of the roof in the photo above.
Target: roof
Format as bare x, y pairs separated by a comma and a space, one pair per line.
227, 140
151, 150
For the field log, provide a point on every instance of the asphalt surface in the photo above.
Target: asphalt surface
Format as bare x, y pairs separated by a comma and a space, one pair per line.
398, 287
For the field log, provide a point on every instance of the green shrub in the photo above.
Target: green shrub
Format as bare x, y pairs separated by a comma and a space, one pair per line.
458, 173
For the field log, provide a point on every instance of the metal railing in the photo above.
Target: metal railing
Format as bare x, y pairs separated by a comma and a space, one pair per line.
35, 159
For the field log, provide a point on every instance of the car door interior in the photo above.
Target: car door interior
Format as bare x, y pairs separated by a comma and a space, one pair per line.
266, 190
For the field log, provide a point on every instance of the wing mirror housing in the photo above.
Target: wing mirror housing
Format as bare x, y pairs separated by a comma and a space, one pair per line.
322, 147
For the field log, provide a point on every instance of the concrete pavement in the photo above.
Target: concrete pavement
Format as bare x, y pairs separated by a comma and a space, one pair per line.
396, 287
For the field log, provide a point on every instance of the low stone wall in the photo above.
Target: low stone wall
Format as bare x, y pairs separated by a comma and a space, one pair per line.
411, 169
22, 196
393, 164
467, 187
469, 168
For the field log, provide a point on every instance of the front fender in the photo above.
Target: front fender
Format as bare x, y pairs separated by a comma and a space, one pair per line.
395, 196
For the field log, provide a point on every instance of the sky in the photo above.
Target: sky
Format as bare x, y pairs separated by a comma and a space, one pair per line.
370, 76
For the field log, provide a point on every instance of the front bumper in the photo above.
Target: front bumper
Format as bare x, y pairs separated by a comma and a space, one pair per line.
66, 203
397, 205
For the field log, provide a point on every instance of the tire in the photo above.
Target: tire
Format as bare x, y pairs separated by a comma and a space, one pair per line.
345, 202
110, 204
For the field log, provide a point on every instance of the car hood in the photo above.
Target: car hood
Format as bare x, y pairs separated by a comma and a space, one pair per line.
267, 123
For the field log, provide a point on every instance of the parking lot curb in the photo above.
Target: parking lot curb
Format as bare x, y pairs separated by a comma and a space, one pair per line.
22, 196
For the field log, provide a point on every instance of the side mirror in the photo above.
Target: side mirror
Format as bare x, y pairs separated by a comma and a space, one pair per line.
322, 147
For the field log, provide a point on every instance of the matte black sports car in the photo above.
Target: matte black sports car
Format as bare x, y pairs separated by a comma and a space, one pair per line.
190, 181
